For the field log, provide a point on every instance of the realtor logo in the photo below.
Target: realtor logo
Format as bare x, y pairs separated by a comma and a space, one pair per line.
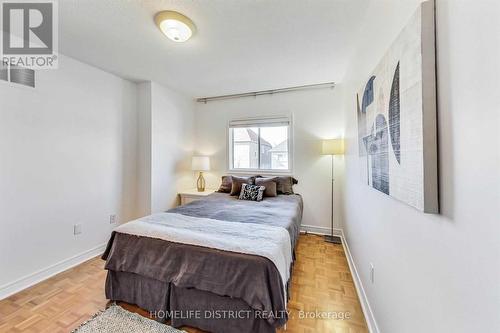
29, 33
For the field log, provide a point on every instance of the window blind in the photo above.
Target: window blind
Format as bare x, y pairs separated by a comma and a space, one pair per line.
260, 122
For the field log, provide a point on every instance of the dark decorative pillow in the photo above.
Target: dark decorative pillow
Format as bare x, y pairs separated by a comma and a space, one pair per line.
225, 186
252, 192
284, 184
237, 182
270, 185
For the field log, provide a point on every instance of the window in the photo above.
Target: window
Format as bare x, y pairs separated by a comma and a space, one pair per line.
260, 144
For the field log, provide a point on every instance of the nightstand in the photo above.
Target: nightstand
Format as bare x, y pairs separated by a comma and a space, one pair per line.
193, 195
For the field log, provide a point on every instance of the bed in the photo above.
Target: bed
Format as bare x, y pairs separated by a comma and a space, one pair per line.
161, 267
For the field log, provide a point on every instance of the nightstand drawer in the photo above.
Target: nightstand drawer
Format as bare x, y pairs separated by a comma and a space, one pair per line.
187, 199
193, 195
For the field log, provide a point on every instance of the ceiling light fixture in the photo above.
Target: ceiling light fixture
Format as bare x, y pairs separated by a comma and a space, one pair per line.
174, 25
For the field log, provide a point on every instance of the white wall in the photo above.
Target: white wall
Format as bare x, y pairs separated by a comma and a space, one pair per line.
144, 107
83, 145
166, 127
67, 156
316, 115
435, 273
172, 146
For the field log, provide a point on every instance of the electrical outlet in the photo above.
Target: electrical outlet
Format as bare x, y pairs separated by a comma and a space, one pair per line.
112, 219
77, 229
372, 273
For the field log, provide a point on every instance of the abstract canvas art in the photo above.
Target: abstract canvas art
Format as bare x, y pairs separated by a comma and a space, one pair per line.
396, 112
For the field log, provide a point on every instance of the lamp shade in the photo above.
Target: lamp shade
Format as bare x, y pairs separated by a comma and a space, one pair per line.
333, 147
200, 163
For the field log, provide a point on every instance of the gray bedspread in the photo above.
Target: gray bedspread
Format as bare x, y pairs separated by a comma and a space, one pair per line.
282, 211
204, 278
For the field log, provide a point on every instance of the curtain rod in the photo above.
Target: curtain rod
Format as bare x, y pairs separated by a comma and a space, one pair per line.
266, 92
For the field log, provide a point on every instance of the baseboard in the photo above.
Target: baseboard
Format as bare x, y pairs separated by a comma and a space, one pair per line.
311, 229
43, 274
365, 304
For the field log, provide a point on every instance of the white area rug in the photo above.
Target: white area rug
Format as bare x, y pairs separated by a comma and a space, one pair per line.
117, 320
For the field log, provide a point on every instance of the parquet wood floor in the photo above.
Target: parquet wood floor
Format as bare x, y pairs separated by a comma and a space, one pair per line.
321, 281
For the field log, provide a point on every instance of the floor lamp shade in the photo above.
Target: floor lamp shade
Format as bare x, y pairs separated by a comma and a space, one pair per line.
333, 147
200, 163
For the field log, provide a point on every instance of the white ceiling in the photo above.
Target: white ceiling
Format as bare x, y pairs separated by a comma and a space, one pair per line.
239, 46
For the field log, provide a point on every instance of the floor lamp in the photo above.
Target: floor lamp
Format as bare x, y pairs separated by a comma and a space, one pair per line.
333, 147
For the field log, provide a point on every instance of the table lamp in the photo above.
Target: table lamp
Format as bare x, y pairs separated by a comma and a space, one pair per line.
200, 163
